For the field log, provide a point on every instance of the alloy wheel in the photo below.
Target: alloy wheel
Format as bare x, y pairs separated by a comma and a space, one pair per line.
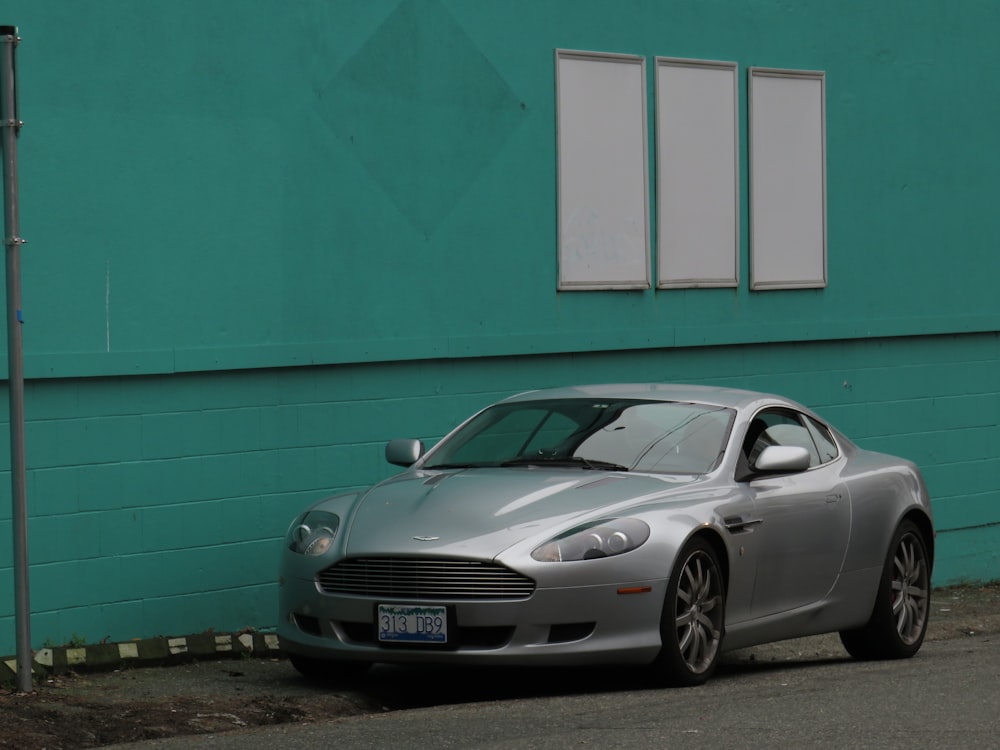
699, 612
910, 588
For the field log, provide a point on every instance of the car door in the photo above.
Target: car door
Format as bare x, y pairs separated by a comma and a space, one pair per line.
803, 518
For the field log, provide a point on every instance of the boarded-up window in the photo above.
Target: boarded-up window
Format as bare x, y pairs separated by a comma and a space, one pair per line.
603, 173
697, 173
787, 179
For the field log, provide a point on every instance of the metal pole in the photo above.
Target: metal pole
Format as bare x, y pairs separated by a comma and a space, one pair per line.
10, 127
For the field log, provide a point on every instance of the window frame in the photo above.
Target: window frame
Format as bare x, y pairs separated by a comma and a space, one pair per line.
782, 187
712, 197
587, 209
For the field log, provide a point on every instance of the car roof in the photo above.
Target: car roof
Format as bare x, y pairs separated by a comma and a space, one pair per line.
699, 394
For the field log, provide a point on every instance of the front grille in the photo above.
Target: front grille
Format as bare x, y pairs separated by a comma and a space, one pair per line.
416, 579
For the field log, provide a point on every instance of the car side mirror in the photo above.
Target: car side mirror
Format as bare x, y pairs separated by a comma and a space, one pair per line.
777, 459
405, 452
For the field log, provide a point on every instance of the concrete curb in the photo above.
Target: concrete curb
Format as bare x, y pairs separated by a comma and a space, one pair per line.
145, 652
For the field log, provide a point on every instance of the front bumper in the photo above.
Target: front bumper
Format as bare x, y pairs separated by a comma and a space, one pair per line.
599, 624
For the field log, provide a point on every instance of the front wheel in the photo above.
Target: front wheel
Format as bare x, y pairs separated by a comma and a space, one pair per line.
899, 620
693, 619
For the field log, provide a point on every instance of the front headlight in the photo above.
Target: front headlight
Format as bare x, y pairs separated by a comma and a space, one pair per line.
313, 532
599, 539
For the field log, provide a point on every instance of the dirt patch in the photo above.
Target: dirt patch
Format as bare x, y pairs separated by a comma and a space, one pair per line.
129, 705
965, 611
96, 710
57, 719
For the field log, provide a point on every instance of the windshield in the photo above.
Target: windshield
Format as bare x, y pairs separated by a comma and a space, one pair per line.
622, 435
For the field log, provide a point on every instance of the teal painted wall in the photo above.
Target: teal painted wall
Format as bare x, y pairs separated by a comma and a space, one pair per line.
158, 503
217, 184
264, 237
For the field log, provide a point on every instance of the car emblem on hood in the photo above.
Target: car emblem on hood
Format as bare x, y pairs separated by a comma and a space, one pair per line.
426, 538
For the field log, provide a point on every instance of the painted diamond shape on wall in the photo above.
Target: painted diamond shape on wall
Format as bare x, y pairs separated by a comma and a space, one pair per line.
423, 109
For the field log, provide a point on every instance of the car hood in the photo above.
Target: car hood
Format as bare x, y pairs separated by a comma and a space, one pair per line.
481, 512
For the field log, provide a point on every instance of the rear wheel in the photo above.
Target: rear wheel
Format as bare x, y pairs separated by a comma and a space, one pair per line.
692, 623
325, 670
899, 620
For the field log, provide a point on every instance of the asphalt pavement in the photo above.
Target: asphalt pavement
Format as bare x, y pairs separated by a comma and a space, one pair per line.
945, 697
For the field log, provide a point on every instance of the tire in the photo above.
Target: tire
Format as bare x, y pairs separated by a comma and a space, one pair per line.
898, 621
693, 620
325, 670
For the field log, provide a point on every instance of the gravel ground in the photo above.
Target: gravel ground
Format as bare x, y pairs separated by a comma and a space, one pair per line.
101, 709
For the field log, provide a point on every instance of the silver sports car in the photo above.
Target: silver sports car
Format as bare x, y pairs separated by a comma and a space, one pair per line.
614, 524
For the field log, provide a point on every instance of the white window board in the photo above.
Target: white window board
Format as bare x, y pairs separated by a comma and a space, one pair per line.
787, 179
603, 175
697, 168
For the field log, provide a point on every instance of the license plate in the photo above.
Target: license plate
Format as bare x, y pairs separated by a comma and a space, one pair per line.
412, 624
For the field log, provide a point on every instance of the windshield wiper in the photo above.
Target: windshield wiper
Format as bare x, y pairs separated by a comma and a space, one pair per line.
456, 466
578, 461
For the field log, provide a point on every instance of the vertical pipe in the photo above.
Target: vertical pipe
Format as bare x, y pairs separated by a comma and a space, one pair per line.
10, 127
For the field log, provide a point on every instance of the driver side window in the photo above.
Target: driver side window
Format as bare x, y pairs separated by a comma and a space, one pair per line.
777, 427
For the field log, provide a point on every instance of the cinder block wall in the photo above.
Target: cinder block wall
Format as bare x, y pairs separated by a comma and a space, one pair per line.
157, 503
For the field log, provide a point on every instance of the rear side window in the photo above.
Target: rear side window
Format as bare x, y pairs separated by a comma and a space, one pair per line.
825, 443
